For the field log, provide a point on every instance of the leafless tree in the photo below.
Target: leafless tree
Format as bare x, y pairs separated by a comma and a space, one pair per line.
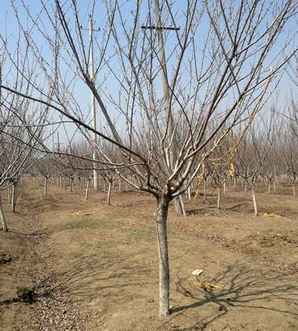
20, 133
172, 81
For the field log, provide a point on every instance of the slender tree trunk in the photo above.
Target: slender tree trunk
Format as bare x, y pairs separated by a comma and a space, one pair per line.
164, 268
179, 206
9, 193
109, 193
189, 192
218, 197
274, 186
234, 182
254, 200
294, 190
45, 187
205, 189
71, 184
87, 190
13, 197
224, 187
2, 217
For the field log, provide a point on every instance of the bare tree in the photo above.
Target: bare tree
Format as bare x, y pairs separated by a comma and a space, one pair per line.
172, 81
18, 138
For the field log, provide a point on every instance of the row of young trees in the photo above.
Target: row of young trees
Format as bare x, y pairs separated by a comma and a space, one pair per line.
170, 83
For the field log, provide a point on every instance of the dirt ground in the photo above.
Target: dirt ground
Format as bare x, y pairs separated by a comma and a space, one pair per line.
94, 267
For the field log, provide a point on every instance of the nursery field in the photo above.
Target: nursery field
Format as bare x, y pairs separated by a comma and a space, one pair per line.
89, 266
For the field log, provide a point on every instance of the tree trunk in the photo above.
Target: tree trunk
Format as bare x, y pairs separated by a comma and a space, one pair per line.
294, 190
45, 188
87, 189
234, 183
205, 189
164, 268
269, 188
274, 186
224, 188
218, 197
71, 184
109, 193
189, 193
2, 217
13, 197
9, 193
179, 206
254, 200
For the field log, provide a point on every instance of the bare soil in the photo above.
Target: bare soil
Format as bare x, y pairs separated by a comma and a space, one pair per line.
94, 267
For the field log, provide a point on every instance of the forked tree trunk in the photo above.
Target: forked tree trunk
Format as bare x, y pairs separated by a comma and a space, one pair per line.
109, 193
218, 198
163, 253
2, 217
254, 200
269, 188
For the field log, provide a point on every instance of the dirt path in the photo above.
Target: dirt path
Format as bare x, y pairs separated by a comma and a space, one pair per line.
26, 265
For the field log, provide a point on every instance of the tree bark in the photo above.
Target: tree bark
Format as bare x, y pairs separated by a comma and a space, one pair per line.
2, 217
164, 268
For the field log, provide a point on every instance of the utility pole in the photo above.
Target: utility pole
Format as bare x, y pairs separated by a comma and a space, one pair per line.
93, 104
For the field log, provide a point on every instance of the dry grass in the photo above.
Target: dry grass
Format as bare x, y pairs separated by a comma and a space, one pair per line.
104, 260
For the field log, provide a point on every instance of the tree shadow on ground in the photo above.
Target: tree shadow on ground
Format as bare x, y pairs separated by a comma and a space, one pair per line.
92, 277
239, 286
